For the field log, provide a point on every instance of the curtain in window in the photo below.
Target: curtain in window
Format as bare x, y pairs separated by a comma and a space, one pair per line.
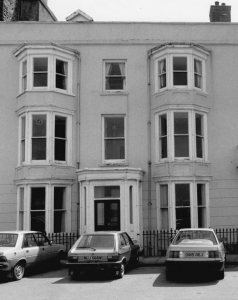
197, 73
162, 73
122, 69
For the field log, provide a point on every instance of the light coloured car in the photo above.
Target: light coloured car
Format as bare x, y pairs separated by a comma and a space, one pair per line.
106, 251
195, 250
22, 249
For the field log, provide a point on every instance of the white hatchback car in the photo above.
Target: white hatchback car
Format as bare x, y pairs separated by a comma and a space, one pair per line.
22, 249
195, 250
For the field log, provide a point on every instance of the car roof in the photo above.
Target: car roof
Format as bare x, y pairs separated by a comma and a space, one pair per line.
18, 231
195, 229
104, 233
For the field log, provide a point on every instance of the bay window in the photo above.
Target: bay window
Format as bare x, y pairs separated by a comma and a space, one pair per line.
180, 67
181, 134
183, 204
35, 135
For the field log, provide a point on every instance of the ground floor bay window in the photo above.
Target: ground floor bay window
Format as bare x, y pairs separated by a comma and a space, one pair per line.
182, 204
44, 207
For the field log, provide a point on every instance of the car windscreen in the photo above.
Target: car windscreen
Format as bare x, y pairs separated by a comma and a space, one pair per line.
195, 236
8, 239
96, 241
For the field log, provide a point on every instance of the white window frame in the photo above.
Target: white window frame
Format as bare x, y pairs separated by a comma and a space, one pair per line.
172, 205
28, 53
49, 205
180, 51
105, 62
50, 138
192, 135
113, 161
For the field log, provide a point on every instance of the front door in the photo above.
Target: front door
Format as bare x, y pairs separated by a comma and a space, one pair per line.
107, 215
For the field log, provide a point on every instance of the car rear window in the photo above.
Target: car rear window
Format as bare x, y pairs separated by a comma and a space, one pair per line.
196, 235
8, 239
96, 241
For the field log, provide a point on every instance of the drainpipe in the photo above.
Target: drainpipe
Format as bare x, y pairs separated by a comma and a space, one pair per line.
149, 136
78, 134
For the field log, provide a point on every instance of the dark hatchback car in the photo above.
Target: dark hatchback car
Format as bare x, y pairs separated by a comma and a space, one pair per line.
107, 251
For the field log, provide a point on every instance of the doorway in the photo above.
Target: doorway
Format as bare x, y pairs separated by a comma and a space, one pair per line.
107, 215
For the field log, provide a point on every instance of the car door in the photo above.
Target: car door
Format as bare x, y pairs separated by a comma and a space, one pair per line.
44, 246
124, 248
134, 247
31, 249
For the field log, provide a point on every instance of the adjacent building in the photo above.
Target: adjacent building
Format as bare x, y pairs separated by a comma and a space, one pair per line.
118, 126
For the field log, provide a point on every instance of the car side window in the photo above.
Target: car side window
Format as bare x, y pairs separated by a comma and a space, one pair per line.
29, 241
122, 241
126, 238
41, 239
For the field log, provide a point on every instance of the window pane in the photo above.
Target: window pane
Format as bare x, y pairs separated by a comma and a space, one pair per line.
182, 194
39, 149
115, 69
114, 127
183, 219
115, 149
40, 64
181, 144
199, 136
201, 217
201, 194
106, 192
180, 78
114, 83
61, 82
165, 219
162, 73
60, 127
163, 195
59, 197
199, 147
197, 66
40, 79
38, 221
100, 214
61, 67
199, 127
131, 204
39, 125
163, 136
180, 63
181, 123
38, 199
59, 221
60, 150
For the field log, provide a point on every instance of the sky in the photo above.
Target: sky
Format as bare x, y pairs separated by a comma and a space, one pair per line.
141, 10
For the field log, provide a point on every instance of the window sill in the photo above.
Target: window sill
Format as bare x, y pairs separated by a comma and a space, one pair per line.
114, 164
114, 93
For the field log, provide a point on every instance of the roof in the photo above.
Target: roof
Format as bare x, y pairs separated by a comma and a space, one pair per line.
79, 16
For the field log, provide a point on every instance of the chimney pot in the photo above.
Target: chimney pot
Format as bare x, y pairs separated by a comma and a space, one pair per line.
223, 4
217, 3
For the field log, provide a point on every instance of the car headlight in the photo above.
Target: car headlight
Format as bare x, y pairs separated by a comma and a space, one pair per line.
3, 259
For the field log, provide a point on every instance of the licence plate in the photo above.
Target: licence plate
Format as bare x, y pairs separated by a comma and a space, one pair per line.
194, 254
92, 258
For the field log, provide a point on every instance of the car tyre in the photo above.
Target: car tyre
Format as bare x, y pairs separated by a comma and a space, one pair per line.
221, 274
169, 276
121, 271
18, 271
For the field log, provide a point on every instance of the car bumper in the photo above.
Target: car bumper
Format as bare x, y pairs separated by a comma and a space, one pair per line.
100, 266
191, 266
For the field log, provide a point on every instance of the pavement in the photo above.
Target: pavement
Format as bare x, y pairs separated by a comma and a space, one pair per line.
231, 259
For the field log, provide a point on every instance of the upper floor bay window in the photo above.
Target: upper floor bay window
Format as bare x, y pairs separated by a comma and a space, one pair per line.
115, 76
36, 132
114, 139
45, 68
180, 67
181, 135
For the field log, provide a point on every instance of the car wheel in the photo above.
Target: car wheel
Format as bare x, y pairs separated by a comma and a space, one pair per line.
18, 271
121, 272
169, 276
221, 274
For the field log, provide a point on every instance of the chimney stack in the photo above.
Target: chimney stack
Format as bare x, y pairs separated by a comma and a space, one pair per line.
220, 13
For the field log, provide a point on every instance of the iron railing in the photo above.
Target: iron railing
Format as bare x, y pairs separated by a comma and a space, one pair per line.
155, 243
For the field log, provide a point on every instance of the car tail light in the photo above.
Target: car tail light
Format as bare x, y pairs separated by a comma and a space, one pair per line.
174, 254
113, 257
214, 254
3, 259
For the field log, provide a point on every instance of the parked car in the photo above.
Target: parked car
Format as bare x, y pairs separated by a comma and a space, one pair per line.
195, 250
22, 249
106, 251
